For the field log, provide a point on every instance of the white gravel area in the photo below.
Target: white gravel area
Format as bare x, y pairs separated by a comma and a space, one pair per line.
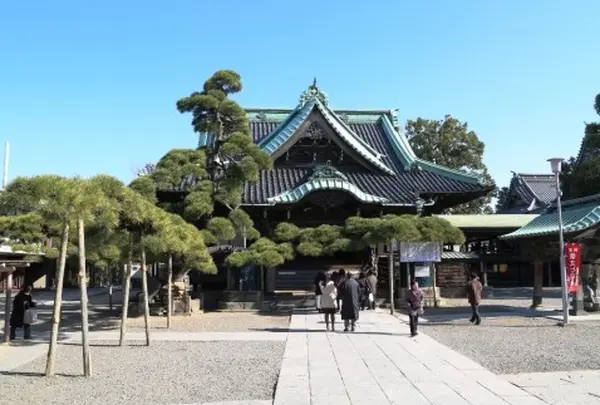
512, 344
164, 373
216, 322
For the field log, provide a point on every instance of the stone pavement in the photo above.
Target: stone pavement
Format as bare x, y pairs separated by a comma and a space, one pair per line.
380, 364
563, 387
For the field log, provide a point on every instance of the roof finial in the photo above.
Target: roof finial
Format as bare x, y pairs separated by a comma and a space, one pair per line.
313, 91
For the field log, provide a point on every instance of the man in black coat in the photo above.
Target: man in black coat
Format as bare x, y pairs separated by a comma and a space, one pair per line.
21, 303
350, 302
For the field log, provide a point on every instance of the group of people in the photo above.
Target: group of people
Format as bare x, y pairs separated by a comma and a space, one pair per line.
341, 291
356, 295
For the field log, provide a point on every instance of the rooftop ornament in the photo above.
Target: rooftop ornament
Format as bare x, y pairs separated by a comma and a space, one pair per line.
313, 91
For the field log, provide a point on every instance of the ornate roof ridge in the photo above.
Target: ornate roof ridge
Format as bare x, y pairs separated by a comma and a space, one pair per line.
541, 175
275, 110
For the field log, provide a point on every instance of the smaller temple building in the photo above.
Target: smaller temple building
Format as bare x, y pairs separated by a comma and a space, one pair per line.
529, 193
539, 241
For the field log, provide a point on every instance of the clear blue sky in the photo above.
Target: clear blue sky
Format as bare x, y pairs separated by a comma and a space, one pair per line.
90, 87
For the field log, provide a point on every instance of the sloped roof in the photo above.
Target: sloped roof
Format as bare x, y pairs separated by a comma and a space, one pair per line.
578, 215
397, 176
536, 191
506, 221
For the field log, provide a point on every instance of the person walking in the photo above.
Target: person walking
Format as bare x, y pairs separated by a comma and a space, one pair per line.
474, 292
371, 288
21, 316
339, 281
414, 303
328, 303
320, 280
362, 285
350, 302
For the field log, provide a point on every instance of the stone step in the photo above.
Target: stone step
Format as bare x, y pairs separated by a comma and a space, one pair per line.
239, 306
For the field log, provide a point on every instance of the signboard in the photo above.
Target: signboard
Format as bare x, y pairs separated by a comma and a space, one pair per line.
573, 258
411, 252
422, 271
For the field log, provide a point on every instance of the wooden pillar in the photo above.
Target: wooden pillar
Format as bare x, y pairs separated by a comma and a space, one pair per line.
538, 282
8, 305
483, 269
550, 281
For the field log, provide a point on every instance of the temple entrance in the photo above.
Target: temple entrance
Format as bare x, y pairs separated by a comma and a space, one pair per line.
299, 274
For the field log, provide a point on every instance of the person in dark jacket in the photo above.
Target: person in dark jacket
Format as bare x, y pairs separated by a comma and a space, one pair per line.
371, 288
320, 280
362, 284
21, 303
474, 292
340, 279
350, 302
414, 303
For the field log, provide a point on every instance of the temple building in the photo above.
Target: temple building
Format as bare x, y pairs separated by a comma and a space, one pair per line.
332, 164
529, 193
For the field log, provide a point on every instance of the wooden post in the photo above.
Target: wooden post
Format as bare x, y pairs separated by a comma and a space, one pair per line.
538, 282
110, 296
550, 281
169, 291
8, 305
144, 270
87, 358
391, 275
60, 280
483, 269
434, 283
126, 286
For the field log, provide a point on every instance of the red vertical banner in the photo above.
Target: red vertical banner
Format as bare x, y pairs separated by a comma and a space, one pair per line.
573, 258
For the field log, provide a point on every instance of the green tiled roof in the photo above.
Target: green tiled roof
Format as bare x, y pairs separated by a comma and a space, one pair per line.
296, 194
489, 221
460, 256
288, 127
578, 215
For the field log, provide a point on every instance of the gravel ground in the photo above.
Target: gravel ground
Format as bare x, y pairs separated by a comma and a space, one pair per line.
164, 373
511, 344
217, 322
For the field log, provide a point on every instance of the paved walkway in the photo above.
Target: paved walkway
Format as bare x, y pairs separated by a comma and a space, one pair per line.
380, 364
563, 387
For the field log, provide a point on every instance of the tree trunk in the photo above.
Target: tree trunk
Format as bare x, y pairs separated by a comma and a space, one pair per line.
8, 305
125, 287
145, 293
87, 358
60, 278
170, 291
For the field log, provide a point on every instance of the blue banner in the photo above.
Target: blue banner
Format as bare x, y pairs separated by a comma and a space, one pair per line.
420, 252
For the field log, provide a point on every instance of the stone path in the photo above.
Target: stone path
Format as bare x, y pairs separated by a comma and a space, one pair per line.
564, 387
380, 364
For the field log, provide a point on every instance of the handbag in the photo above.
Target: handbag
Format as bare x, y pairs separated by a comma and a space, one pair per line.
371, 298
29, 317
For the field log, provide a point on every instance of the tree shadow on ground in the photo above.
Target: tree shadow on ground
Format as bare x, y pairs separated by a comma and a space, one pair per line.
525, 293
37, 374
486, 311
321, 331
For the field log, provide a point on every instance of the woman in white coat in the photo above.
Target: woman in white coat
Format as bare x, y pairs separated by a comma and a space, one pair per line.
328, 303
